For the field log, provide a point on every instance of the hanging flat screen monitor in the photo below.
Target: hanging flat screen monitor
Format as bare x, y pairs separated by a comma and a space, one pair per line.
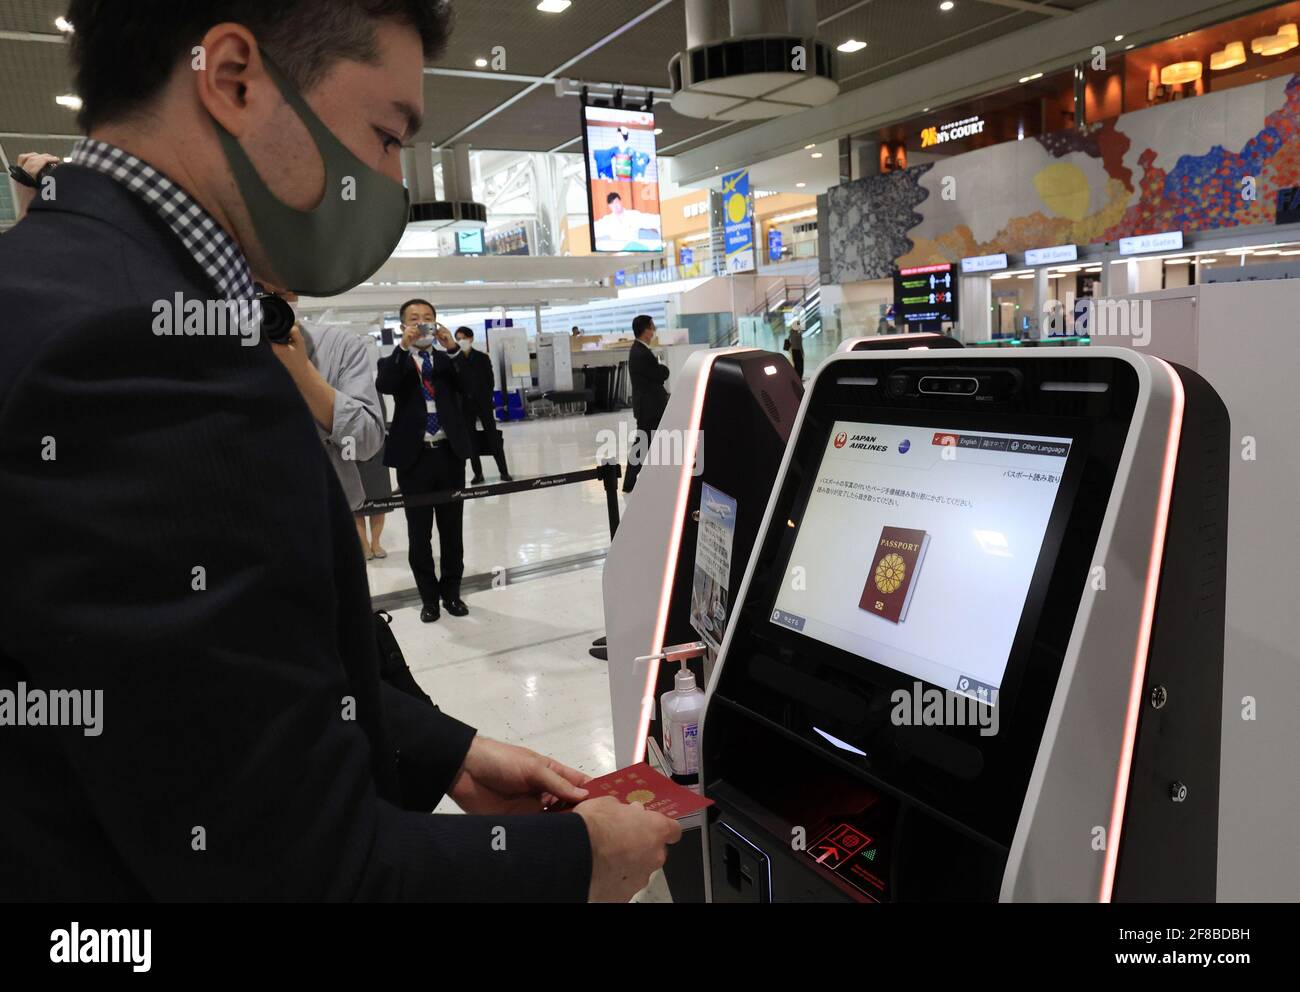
469, 242
622, 180
919, 545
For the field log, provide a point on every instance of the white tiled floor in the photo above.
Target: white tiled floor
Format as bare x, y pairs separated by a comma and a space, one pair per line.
517, 667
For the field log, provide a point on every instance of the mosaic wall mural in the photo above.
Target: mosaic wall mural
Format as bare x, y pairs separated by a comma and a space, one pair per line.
1179, 166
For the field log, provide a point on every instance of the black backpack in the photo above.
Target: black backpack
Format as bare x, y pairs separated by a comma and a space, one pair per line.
392, 665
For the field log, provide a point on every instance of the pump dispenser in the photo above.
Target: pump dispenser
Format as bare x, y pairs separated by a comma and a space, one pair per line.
680, 710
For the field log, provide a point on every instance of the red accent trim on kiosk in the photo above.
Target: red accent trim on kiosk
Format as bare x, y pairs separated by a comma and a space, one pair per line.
689, 452
1145, 624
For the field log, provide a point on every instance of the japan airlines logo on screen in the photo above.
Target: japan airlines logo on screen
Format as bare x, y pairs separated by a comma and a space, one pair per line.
841, 439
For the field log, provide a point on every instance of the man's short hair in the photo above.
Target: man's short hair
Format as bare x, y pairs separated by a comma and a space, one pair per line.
466, 331
642, 324
123, 54
611, 198
401, 314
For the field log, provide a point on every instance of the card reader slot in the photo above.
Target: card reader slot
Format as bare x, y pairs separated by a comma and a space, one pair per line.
942, 751
821, 696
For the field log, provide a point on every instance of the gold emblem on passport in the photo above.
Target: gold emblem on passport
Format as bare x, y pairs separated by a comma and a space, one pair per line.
642, 796
890, 573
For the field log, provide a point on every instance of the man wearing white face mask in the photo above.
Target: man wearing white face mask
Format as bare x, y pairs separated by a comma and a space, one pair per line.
479, 382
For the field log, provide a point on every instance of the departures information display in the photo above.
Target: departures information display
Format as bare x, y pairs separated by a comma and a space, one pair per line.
926, 294
918, 545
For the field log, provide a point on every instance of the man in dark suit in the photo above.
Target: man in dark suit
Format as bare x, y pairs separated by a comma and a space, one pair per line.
428, 444
480, 383
649, 398
189, 551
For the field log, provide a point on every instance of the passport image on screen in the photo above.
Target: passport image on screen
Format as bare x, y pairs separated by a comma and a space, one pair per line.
890, 512
894, 569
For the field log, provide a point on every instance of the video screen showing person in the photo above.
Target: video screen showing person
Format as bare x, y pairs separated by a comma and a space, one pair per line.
623, 180
918, 546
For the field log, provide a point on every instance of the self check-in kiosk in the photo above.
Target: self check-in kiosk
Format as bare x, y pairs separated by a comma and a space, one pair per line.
978, 647
725, 427
716, 452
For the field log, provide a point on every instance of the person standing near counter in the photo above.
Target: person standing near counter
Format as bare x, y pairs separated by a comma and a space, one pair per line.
649, 397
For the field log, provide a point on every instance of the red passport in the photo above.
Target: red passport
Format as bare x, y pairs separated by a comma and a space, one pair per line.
642, 784
892, 579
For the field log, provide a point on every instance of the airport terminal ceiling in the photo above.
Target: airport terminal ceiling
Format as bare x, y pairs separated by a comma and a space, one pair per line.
628, 42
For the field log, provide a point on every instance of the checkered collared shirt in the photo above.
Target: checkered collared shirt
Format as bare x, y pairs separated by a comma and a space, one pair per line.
214, 249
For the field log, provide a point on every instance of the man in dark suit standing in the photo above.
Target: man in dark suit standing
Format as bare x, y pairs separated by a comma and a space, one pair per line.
428, 444
649, 398
480, 383
188, 550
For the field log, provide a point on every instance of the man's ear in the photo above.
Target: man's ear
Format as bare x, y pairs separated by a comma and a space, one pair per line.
232, 81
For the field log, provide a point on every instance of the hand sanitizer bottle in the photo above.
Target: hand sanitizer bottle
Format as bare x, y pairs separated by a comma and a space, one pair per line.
680, 711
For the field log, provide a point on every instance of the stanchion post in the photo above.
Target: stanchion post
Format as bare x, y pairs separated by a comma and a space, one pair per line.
610, 473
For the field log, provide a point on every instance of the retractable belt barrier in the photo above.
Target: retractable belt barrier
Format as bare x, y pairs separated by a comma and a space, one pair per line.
609, 474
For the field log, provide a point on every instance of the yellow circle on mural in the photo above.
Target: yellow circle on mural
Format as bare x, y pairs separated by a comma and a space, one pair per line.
736, 208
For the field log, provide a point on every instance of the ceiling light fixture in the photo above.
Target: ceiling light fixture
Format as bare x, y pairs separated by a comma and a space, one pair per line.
816, 155
851, 46
1119, 37
64, 25
68, 100
947, 5
809, 147
659, 130
1232, 54
800, 185
481, 63
554, 6
1178, 73
1031, 78
1286, 39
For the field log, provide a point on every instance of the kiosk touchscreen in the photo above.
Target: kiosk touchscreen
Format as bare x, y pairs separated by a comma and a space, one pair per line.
979, 649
